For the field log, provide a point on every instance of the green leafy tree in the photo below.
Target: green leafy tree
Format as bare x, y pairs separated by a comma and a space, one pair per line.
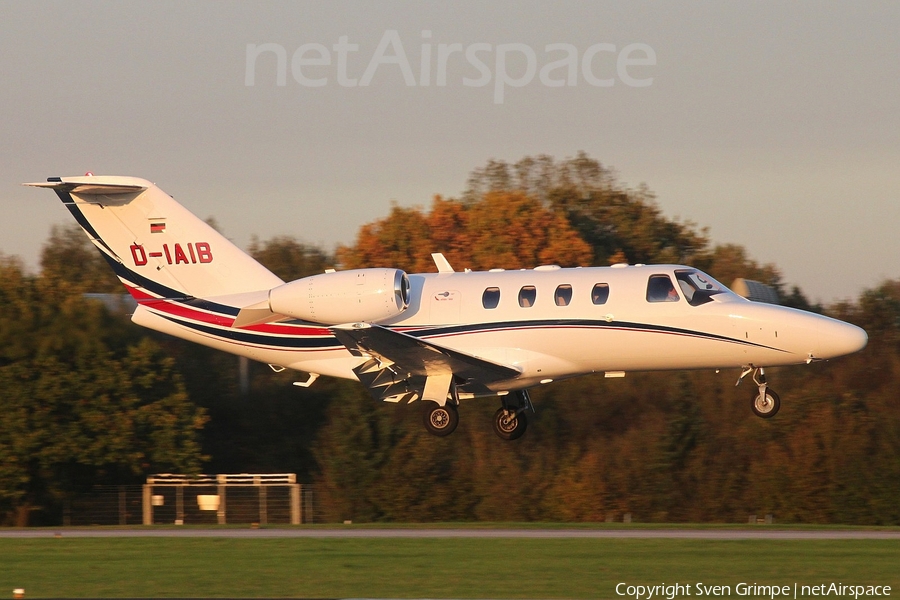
68, 256
289, 258
619, 223
82, 399
69, 423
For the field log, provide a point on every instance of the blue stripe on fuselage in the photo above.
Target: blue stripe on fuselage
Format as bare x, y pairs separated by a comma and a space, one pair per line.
325, 341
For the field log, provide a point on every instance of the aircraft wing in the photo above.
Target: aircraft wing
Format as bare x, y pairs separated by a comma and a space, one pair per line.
400, 364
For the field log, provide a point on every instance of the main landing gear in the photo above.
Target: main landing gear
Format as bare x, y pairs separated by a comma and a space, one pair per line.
441, 420
765, 402
509, 420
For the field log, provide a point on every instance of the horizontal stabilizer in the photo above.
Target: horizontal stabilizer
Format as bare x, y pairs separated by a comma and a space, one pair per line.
94, 186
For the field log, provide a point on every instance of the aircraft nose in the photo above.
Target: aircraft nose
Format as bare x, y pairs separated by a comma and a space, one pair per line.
837, 338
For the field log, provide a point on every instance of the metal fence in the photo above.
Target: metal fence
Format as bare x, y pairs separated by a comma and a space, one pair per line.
106, 505
198, 500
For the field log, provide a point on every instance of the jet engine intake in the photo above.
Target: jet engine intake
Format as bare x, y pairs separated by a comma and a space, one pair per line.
357, 295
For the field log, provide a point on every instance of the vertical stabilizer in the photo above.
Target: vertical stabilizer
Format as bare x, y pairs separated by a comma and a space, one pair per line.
155, 245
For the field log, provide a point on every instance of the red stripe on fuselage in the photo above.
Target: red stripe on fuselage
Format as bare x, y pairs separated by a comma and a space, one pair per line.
139, 294
285, 329
179, 309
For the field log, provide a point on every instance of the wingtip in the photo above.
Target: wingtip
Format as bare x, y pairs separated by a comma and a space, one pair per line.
41, 184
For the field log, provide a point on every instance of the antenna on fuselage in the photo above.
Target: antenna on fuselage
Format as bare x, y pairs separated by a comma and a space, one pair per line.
442, 264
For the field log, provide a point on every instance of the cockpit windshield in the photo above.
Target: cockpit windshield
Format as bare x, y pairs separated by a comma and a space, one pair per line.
698, 287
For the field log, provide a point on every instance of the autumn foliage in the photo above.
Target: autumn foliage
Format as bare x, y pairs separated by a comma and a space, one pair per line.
504, 229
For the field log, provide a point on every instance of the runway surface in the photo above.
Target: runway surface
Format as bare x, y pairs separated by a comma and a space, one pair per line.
265, 533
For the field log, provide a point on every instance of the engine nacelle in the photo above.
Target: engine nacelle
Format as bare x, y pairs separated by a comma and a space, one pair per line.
358, 295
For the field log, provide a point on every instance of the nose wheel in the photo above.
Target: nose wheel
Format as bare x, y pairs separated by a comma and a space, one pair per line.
765, 403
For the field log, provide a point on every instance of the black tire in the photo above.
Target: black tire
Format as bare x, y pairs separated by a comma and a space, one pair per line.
765, 408
509, 425
441, 420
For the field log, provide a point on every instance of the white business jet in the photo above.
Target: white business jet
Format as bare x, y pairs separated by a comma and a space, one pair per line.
438, 337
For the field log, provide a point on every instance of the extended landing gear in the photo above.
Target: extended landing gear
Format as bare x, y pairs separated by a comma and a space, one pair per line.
509, 420
765, 403
509, 425
441, 420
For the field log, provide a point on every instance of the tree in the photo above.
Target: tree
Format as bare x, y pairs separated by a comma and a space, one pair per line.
620, 224
289, 258
83, 399
500, 230
70, 423
68, 256
400, 240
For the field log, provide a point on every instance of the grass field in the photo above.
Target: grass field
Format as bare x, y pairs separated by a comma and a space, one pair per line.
433, 568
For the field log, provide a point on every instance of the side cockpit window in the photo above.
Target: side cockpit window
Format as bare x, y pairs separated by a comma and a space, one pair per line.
491, 297
660, 289
698, 287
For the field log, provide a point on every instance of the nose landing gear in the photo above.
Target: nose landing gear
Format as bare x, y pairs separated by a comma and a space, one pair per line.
765, 403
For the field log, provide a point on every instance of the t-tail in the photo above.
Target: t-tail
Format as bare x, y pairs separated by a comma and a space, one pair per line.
156, 247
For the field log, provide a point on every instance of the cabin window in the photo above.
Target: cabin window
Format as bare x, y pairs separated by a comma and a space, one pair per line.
563, 294
600, 293
527, 296
491, 297
660, 289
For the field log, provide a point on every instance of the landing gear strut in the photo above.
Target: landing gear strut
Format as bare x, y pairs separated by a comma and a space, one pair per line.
765, 402
509, 420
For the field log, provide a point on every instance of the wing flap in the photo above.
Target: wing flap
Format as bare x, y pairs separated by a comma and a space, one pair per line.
404, 367
418, 356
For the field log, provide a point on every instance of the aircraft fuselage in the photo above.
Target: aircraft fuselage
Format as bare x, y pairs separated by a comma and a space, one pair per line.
548, 339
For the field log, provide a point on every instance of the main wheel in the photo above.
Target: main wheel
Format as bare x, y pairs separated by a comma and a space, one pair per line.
766, 406
441, 420
509, 425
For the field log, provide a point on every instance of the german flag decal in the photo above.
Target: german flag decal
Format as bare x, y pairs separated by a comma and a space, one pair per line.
157, 227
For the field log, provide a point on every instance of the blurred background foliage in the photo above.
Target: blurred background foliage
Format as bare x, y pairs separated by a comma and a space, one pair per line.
87, 398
